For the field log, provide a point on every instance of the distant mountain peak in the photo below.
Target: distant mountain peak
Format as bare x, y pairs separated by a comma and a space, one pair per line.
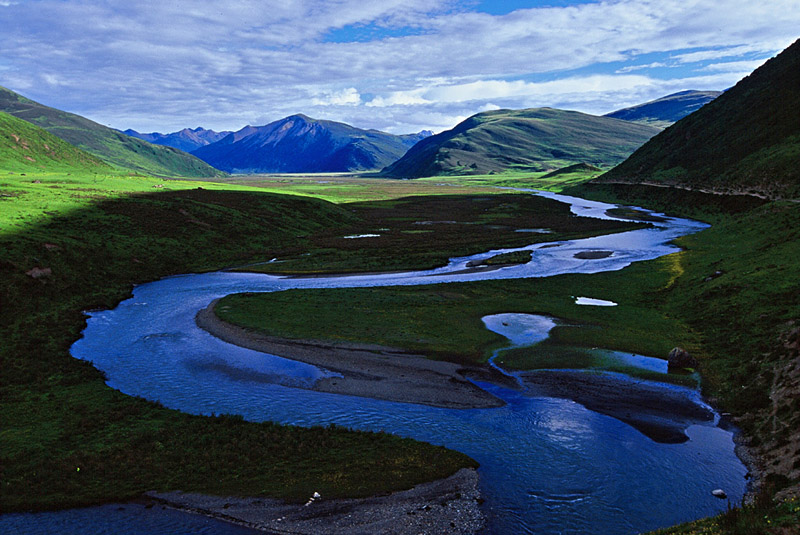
666, 110
301, 144
188, 139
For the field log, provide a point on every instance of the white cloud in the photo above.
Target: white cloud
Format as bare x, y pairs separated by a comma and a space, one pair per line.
735, 66
345, 97
705, 55
632, 68
155, 65
487, 90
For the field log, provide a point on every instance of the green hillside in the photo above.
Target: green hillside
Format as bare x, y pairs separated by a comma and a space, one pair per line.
745, 141
539, 139
27, 148
111, 146
736, 284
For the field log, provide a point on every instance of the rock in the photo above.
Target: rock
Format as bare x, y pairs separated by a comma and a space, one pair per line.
680, 358
39, 273
719, 493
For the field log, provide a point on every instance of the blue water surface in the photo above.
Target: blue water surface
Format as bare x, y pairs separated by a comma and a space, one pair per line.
548, 466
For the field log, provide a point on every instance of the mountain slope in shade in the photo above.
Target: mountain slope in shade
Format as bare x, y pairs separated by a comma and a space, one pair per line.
299, 144
745, 141
111, 146
538, 139
667, 110
187, 140
25, 147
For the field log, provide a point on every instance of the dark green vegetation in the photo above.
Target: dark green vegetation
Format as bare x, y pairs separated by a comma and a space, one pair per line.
113, 147
578, 168
763, 517
730, 298
299, 144
444, 321
541, 139
70, 243
423, 232
708, 207
667, 110
515, 257
745, 141
740, 280
738, 289
28, 148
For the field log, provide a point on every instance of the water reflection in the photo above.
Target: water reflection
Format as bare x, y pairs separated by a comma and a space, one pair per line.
548, 464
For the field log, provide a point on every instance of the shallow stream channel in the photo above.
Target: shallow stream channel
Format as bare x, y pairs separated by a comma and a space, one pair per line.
548, 464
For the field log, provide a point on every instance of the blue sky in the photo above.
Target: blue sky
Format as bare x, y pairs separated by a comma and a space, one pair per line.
395, 65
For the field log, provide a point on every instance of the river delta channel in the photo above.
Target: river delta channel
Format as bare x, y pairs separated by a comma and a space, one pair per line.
548, 464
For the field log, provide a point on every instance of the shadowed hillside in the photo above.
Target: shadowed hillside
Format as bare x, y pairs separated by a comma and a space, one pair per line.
111, 146
745, 141
540, 139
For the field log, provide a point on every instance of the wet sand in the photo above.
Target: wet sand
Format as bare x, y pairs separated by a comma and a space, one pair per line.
368, 370
446, 506
654, 409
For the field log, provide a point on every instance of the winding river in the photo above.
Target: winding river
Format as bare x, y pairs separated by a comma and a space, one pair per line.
548, 465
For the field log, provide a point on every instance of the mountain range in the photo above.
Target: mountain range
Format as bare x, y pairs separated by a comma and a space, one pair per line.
537, 139
745, 141
666, 110
109, 145
300, 144
187, 140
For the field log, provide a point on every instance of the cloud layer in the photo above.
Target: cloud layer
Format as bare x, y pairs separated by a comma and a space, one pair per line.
395, 65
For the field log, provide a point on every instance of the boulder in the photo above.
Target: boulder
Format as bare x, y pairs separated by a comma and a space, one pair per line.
680, 358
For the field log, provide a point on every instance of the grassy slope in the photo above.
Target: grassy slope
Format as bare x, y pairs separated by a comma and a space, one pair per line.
27, 148
541, 139
109, 145
747, 140
69, 243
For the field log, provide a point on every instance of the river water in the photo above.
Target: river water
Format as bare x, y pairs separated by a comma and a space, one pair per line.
548, 465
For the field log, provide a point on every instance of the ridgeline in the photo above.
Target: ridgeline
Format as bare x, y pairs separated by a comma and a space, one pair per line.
747, 141
113, 147
541, 139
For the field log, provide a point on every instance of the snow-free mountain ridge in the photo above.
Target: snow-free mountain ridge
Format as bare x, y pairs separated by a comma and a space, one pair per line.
300, 144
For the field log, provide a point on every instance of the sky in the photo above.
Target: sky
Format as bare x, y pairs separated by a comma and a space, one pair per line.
399, 66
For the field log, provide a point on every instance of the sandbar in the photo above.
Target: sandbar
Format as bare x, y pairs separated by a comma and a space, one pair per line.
446, 506
368, 370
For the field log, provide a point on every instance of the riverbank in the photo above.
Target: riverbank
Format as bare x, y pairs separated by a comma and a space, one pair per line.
68, 439
446, 506
372, 371
660, 411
